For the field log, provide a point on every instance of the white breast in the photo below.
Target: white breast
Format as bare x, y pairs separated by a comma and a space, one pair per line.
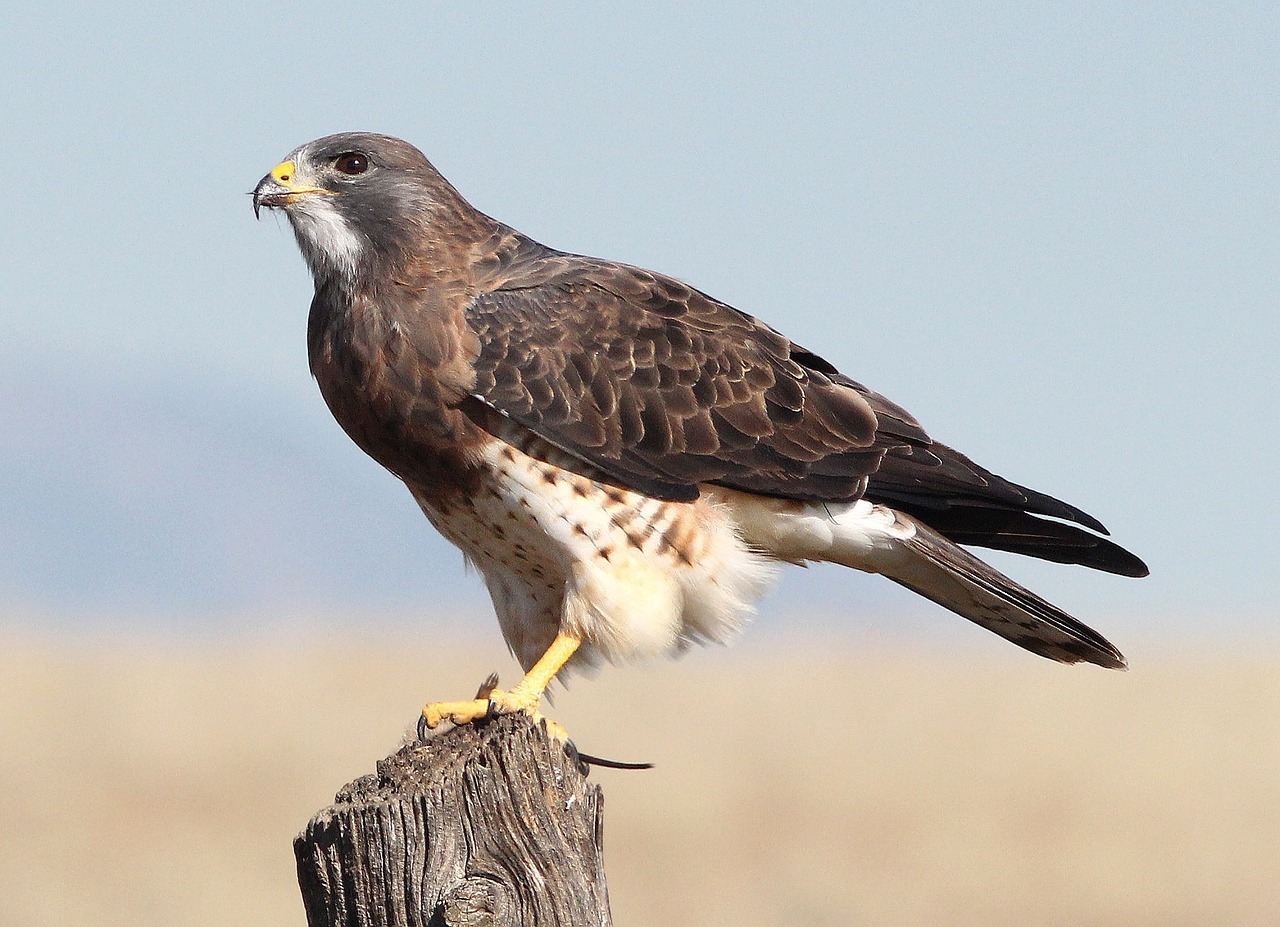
630, 575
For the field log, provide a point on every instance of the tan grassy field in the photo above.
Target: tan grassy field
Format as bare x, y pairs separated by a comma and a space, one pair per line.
147, 783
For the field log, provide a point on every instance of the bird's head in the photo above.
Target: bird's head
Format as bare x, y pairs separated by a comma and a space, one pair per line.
358, 203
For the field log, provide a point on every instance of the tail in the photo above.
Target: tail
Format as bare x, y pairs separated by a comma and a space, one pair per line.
929, 564
879, 539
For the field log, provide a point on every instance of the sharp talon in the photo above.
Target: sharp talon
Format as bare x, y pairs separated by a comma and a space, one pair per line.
422, 729
575, 757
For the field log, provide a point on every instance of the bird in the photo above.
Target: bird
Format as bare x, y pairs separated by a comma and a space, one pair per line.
626, 460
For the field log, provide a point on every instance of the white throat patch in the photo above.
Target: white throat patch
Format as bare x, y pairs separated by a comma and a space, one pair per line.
329, 245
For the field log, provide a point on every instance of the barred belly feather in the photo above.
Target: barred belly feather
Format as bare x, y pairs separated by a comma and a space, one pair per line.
632, 576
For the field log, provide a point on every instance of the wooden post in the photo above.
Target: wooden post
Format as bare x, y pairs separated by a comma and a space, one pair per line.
489, 825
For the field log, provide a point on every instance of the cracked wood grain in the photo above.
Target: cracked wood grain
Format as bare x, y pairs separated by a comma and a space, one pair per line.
491, 825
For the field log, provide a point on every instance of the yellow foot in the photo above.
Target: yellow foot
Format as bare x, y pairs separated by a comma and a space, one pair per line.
490, 700
495, 702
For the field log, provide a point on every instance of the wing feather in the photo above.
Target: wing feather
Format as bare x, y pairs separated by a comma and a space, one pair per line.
699, 391
659, 387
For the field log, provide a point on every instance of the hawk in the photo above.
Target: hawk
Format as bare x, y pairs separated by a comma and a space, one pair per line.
625, 459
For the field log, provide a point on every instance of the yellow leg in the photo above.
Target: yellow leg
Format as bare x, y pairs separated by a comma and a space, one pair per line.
525, 696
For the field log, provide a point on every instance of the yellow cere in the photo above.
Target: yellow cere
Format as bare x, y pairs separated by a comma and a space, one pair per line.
283, 172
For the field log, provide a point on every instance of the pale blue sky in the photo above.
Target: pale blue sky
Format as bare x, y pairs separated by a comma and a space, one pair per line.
1048, 230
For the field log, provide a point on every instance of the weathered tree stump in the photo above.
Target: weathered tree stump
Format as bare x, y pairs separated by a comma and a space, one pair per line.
490, 825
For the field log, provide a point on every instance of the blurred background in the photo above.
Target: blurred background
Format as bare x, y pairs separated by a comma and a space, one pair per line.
1051, 233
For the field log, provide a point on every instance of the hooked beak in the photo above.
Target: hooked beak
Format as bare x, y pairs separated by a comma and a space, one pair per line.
281, 187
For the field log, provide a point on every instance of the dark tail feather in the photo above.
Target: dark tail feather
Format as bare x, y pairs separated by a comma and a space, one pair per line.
936, 568
1024, 533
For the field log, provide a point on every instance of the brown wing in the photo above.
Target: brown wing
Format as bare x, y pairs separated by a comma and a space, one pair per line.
661, 387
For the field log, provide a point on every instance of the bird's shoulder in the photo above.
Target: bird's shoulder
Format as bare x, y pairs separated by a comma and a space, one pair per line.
539, 299
659, 383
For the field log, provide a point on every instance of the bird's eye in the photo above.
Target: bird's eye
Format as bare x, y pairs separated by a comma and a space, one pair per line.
351, 163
